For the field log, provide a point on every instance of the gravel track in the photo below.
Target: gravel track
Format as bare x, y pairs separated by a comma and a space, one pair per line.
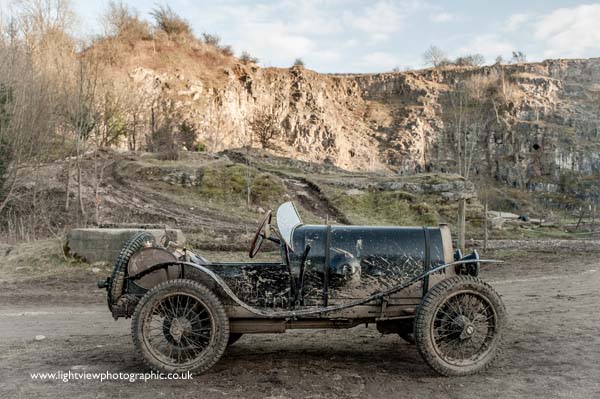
552, 347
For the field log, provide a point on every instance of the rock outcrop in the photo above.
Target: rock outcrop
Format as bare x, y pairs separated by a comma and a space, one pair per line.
396, 121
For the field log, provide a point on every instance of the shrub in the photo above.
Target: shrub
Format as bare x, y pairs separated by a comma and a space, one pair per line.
299, 62
266, 127
226, 50
124, 22
162, 141
200, 147
518, 57
246, 58
171, 23
187, 135
470, 60
211, 40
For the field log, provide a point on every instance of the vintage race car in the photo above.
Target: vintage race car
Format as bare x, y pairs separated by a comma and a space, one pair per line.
186, 310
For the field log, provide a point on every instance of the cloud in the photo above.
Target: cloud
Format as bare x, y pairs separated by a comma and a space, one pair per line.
570, 32
488, 45
278, 32
377, 61
324, 31
376, 38
442, 16
276, 39
382, 17
516, 21
327, 55
350, 43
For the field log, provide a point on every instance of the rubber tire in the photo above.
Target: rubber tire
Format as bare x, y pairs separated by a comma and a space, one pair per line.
426, 312
220, 321
233, 338
130, 247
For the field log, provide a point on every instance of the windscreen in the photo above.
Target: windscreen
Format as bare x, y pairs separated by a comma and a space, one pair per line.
287, 220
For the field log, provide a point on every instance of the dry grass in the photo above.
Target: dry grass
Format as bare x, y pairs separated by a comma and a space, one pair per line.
40, 258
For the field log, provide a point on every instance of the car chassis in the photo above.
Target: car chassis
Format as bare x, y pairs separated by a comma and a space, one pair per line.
406, 280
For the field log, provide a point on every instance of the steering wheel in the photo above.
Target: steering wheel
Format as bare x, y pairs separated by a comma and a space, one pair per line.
264, 231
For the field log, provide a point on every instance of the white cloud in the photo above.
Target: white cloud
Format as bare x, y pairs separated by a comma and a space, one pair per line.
325, 31
326, 55
570, 32
442, 16
379, 18
278, 40
488, 45
376, 38
308, 17
516, 21
377, 61
350, 43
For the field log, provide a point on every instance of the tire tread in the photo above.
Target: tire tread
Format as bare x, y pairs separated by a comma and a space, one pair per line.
211, 299
429, 305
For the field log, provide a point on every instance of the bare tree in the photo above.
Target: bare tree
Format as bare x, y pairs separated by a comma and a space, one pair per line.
473, 107
215, 127
247, 58
163, 137
120, 20
266, 127
518, 57
170, 22
434, 56
82, 116
27, 119
100, 165
42, 20
470, 60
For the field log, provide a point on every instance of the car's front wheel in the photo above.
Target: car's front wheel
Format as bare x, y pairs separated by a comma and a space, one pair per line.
459, 326
180, 326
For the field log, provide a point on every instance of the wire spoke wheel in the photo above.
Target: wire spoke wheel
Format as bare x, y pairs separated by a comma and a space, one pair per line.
180, 325
458, 326
178, 329
463, 328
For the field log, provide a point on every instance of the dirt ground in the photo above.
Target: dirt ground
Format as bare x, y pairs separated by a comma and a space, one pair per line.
551, 349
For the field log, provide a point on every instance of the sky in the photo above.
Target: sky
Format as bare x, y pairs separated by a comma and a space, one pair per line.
379, 35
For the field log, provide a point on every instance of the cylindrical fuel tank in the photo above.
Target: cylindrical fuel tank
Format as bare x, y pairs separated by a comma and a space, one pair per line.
376, 250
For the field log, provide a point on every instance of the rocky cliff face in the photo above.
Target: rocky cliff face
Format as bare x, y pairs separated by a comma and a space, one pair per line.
396, 121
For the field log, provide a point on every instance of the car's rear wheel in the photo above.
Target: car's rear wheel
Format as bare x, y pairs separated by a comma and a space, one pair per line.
180, 326
459, 325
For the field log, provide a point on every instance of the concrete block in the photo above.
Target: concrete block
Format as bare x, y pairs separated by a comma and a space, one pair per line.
103, 244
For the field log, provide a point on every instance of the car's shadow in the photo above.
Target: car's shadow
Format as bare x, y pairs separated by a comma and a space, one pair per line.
345, 353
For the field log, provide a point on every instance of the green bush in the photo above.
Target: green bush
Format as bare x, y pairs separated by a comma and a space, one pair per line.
200, 147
